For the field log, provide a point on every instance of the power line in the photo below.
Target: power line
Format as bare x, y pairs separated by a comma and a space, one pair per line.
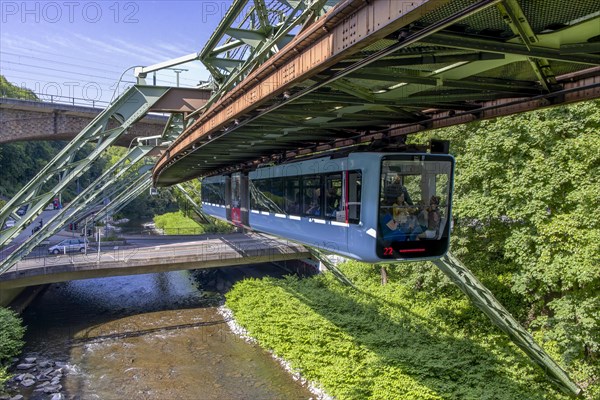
57, 70
54, 76
58, 62
12, 77
65, 56
76, 65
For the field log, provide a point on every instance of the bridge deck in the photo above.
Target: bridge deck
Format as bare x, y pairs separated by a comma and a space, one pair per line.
222, 251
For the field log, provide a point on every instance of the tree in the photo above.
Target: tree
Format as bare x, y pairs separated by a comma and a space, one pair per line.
526, 209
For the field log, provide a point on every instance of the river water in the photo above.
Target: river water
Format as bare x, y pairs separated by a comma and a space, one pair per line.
155, 336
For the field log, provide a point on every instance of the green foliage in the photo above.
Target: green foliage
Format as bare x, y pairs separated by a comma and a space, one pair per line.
21, 161
7, 89
4, 376
385, 342
147, 206
11, 334
11, 339
193, 187
177, 223
526, 207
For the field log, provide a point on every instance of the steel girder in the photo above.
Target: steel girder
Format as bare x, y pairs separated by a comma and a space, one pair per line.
487, 303
141, 182
102, 132
86, 200
242, 42
197, 208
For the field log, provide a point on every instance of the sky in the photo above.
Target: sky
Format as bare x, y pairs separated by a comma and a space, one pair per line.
81, 48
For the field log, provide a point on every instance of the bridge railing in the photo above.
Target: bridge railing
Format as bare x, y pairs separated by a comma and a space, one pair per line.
207, 248
58, 99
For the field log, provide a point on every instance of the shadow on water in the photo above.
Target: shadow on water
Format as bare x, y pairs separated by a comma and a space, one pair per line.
450, 367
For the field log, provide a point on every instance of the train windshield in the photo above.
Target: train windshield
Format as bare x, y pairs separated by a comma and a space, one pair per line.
414, 206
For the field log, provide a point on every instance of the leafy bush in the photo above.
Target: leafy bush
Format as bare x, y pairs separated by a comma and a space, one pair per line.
11, 335
526, 220
175, 222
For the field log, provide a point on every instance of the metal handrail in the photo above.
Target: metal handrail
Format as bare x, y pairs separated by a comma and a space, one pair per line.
58, 99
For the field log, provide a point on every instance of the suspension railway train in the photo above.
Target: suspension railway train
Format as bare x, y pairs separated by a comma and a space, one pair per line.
372, 207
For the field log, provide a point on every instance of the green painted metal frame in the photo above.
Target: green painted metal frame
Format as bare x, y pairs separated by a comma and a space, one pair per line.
235, 49
197, 208
85, 201
141, 183
487, 303
130, 107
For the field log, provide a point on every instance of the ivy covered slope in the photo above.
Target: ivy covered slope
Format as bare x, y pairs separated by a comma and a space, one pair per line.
526, 209
385, 342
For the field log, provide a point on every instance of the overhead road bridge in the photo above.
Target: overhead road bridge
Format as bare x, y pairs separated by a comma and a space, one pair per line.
25, 120
379, 70
191, 253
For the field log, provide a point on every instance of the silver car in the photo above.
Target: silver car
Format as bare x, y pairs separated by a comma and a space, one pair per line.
69, 246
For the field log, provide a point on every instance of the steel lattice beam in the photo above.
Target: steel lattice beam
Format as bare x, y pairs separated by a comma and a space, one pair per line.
197, 208
236, 48
130, 107
130, 192
486, 302
86, 200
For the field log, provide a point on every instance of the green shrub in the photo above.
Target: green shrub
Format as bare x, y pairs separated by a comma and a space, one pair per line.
11, 343
176, 223
11, 334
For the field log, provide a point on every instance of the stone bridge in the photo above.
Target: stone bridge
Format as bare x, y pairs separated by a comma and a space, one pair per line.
22, 120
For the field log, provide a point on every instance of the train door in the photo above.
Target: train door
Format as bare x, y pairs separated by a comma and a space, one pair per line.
244, 200
228, 196
239, 199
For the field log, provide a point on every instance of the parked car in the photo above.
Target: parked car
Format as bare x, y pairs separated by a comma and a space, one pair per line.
9, 223
68, 246
21, 211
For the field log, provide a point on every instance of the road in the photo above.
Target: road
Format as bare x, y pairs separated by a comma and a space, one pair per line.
44, 217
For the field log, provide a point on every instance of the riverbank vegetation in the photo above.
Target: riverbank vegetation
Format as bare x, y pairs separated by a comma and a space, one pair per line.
11, 335
526, 207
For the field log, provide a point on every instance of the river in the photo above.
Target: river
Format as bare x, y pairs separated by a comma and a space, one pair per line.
155, 336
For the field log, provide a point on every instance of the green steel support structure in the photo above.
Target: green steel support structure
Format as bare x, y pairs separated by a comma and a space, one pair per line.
240, 44
124, 171
235, 50
130, 107
486, 302
197, 208
136, 187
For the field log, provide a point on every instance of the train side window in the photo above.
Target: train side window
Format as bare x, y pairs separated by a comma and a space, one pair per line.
210, 193
333, 195
354, 195
220, 193
292, 195
311, 195
258, 188
276, 195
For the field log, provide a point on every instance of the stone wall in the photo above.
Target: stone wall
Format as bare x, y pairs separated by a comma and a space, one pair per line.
29, 120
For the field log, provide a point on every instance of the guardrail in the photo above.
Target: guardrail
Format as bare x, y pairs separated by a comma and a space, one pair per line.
57, 99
